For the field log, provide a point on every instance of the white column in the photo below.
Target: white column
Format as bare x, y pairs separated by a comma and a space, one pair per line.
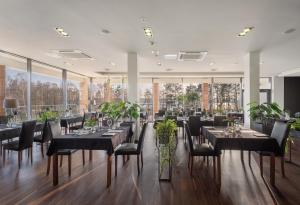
278, 90
133, 77
29, 74
251, 87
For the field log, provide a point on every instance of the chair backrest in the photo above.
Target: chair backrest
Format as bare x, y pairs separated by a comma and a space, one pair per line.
280, 132
220, 120
189, 136
26, 134
55, 129
46, 135
141, 138
194, 125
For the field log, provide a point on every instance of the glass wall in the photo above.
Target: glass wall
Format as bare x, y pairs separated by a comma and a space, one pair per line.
14, 78
46, 89
77, 89
146, 96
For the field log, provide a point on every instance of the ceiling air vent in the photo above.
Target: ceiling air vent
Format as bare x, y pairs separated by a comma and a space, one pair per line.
73, 54
191, 55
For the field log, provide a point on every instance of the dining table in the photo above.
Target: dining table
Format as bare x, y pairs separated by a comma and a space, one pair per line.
98, 139
244, 139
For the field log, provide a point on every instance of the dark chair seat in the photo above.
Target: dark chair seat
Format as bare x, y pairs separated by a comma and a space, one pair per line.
204, 149
66, 151
38, 138
126, 148
13, 145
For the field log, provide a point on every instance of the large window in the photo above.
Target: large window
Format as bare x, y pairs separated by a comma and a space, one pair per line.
46, 89
77, 88
13, 76
146, 96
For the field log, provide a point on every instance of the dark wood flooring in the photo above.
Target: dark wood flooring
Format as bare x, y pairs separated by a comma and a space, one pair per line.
87, 185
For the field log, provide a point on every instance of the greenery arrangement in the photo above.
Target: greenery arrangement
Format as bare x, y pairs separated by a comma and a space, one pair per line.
166, 136
90, 123
115, 110
47, 115
265, 111
296, 125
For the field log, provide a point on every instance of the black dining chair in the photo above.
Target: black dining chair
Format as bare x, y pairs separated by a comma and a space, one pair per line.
86, 116
25, 141
132, 149
220, 120
43, 137
203, 149
195, 127
55, 130
280, 133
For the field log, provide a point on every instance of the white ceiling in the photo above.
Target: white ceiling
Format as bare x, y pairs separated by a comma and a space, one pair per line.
27, 28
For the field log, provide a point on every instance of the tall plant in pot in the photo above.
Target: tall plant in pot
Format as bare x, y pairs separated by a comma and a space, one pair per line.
131, 111
112, 110
166, 138
265, 114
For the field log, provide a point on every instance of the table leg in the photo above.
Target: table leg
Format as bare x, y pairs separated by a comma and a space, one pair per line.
108, 170
91, 155
55, 169
272, 169
219, 172
242, 155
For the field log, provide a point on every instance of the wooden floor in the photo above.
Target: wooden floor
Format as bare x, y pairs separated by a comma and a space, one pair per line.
30, 185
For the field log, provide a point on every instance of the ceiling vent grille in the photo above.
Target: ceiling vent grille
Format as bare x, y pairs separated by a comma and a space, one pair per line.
73, 54
191, 55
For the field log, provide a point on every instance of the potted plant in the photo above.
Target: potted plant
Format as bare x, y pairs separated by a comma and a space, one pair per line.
112, 110
131, 111
47, 115
166, 138
265, 114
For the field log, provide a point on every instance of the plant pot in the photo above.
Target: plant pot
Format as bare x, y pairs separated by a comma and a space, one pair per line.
164, 163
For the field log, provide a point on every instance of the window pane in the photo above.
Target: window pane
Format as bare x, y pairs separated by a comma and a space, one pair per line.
13, 76
46, 89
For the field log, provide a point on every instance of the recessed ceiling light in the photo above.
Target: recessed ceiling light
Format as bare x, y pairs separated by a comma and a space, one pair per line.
106, 69
148, 32
105, 31
61, 32
291, 30
159, 63
213, 69
211, 63
68, 64
170, 56
143, 19
169, 69
245, 31
156, 53
112, 63
151, 43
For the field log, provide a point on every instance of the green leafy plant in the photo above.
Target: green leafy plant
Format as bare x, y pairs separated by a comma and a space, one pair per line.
131, 110
47, 115
264, 111
90, 123
112, 110
166, 136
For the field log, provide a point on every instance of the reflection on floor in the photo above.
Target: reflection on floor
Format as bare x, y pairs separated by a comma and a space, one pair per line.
240, 183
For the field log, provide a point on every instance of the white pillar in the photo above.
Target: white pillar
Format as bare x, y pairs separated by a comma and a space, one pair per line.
278, 90
251, 87
133, 77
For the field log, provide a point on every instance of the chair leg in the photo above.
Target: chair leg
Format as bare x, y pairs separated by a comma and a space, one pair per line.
3, 157
214, 166
249, 158
192, 162
28, 153
70, 164
31, 157
123, 159
138, 163
91, 155
142, 160
207, 161
116, 165
42, 150
19, 159
83, 157
48, 165
189, 159
61, 160
261, 164
282, 167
